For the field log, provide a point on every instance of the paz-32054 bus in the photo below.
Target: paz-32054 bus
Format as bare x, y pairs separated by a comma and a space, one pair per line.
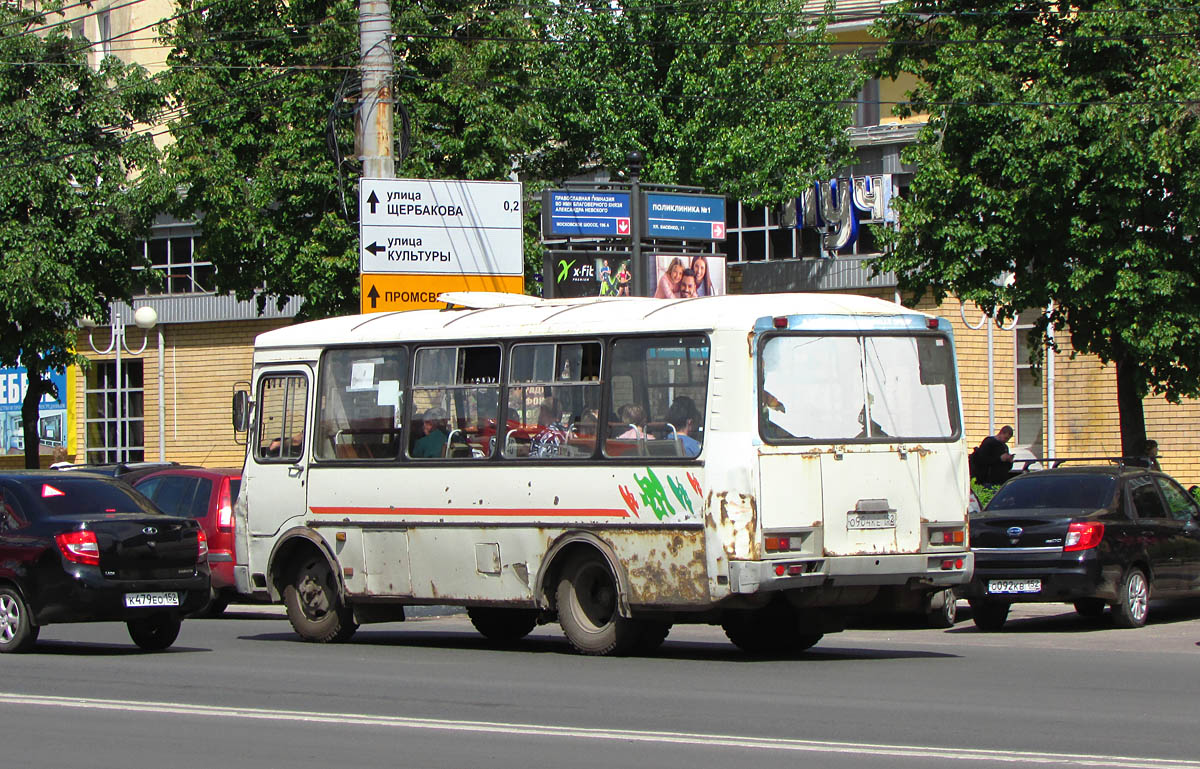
767, 463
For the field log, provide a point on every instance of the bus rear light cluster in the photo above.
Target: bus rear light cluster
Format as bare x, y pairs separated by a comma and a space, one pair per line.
778, 544
946, 537
789, 569
951, 564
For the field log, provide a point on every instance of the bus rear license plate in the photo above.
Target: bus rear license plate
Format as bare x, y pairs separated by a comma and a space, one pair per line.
1014, 586
871, 520
151, 599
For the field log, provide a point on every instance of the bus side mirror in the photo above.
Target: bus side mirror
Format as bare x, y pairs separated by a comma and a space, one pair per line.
241, 411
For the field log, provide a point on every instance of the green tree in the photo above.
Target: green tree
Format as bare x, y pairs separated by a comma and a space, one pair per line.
79, 185
1062, 149
743, 97
264, 145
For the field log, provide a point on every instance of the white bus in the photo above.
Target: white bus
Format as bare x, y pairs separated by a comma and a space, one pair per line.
767, 463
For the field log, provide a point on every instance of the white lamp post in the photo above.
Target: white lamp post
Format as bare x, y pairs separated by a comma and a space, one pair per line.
144, 318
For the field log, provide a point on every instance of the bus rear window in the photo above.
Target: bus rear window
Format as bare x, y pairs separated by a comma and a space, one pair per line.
847, 388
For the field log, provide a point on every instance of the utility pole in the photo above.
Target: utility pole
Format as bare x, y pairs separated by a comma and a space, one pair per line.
641, 281
375, 121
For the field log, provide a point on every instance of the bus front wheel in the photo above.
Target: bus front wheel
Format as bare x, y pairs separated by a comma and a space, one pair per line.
587, 609
314, 607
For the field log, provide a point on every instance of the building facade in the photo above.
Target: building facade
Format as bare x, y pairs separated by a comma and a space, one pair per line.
171, 401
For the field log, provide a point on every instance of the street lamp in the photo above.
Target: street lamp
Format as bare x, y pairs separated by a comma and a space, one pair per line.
144, 318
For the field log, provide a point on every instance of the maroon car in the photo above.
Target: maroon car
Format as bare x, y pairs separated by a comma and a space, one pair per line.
208, 496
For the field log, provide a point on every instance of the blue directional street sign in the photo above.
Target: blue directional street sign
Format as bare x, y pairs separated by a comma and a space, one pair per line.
584, 213
684, 217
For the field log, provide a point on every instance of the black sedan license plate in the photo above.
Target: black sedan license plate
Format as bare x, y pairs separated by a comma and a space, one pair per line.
1014, 586
133, 600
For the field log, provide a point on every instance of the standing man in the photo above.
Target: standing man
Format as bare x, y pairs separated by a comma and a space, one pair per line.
991, 462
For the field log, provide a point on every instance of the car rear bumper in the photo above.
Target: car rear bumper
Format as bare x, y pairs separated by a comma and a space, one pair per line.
86, 596
221, 565
1064, 577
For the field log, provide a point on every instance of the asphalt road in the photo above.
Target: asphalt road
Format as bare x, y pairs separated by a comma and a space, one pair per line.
1051, 690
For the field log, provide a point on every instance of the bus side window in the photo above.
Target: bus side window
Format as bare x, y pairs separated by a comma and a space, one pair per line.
553, 400
455, 398
361, 405
282, 400
659, 389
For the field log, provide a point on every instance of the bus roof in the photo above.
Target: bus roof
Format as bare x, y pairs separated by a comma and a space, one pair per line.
588, 315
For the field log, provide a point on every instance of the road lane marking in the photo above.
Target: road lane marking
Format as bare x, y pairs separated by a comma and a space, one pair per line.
571, 732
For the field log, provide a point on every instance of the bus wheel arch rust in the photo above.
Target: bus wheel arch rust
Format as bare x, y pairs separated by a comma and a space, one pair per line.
568, 547
304, 571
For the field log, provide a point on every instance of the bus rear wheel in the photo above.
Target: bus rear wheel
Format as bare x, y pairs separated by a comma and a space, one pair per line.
314, 607
502, 625
774, 629
587, 609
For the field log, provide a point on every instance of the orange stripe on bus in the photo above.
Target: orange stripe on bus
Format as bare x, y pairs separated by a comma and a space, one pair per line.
479, 512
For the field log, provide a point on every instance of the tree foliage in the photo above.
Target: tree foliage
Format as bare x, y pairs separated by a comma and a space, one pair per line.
742, 97
79, 184
1062, 149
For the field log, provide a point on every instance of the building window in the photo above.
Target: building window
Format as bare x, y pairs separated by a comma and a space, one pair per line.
866, 105
171, 253
1029, 388
115, 434
104, 23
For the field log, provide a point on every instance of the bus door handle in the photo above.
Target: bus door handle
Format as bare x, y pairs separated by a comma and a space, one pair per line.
295, 471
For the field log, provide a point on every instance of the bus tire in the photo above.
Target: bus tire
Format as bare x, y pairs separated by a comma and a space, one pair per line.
775, 629
503, 625
314, 606
587, 609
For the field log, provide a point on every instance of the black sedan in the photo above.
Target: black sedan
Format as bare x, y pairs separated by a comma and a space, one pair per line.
77, 547
1114, 536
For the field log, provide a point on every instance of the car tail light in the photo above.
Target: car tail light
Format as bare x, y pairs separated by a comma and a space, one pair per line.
79, 547
225, 510
201, 546
1083, 536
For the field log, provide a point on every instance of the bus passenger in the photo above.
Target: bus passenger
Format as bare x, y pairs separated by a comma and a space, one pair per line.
683, 417
635, 416
434, 443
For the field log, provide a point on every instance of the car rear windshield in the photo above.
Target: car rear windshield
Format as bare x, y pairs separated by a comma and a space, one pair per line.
72, 496
1043, 492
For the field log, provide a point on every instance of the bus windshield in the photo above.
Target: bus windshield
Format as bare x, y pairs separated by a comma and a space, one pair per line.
857, 387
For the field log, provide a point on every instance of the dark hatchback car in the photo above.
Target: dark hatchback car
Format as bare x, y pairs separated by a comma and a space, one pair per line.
77, 547
208, 496
1114, 536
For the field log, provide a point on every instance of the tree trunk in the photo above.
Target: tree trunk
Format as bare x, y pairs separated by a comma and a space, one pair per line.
1129, 407
30, 409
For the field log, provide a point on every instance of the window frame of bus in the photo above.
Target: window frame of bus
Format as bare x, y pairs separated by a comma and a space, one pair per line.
260, 411
954, 411
607, 381
458, 373
399, 432
553, 383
